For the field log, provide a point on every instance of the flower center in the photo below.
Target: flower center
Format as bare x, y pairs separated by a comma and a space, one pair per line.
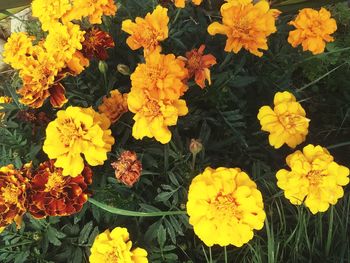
152, 108
10, 194
70, 132
315, 177
54, 181
194, 62
225, 206
291, 121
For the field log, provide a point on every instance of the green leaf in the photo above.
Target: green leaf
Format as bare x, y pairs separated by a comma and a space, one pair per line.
85, 232
9, 4
161, 236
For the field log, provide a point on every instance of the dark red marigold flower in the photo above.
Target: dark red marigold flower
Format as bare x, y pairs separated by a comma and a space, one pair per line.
127, 168
12, 195
52, 194
96, 44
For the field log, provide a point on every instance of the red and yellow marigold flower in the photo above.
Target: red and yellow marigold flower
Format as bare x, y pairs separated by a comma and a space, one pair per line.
96, 44
13, 187
198, 65
127, 168
162, 75
74, 132
149, 31
52, 194
313, 179
114, 106
225, 207
246, 25
115, 246
313, 30
286, 122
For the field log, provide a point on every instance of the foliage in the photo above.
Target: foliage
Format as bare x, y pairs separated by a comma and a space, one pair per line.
223, 117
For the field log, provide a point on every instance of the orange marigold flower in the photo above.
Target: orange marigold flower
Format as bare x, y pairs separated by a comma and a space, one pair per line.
12, 195
77, 64
96, 44
246, 25
313, 30
149, 31
93, 9
198, 65
127, 168
4, 100
164, 73
52, 194
114, 106
181, 3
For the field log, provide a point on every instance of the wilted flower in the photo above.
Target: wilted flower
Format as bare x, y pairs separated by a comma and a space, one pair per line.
52, 194
246, 25
114, 106
12, 195
314, 179
286, 122
198, 65
127, 168
149, 31
78, 131
114, 247
313, 30
196, 146
225, 207
96, 44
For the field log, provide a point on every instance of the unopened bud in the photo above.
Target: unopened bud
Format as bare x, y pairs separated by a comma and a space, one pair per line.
103, 67
196, 146
123, 69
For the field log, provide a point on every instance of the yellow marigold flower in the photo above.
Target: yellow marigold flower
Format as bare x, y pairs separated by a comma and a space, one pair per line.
114, 247
225, 207
164, 73
181, 3
78, 131
246, 25
149, 31
49, 12
63, 41
17, 49
114, 106
313, 30
4, 100
93, 9
286, 123
314, 178
152, 117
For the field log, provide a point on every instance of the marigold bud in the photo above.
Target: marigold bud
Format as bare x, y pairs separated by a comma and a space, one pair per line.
196, 146
127, 168
102, 67
123, 69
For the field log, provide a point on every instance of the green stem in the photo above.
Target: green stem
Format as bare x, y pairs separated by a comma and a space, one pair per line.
193, 161
177, 15
123, 212
16, 245
210, 256
330, 231
338, 145
225, 251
